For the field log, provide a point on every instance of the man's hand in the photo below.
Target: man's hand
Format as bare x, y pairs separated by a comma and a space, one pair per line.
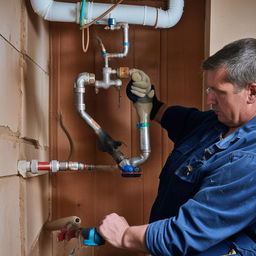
141, 85
115, 230
140, 88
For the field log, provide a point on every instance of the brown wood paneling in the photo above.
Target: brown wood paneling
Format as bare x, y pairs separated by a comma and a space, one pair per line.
172, 58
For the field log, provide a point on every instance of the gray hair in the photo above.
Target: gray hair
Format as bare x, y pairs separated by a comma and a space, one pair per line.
239, 59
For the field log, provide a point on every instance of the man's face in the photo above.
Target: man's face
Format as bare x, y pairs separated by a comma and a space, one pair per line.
228, 102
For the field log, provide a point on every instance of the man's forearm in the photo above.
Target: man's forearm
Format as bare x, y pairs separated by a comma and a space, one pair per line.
116, 230
134, 238
160, 113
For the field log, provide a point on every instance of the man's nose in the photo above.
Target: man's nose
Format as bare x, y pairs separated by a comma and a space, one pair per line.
210, 97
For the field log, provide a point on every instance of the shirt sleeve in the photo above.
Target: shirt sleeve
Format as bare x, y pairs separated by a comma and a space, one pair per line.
224, 205
179, 121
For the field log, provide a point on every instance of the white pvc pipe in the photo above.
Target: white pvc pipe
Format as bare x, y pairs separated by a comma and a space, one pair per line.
131, 14
140, 15
56, 11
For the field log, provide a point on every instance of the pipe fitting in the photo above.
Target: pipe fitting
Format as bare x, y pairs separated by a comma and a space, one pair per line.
107, 71
123, 72
125, 28
83, 79
106, 82
54, 166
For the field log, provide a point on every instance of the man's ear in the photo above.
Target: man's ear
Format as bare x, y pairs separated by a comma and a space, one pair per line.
252, 93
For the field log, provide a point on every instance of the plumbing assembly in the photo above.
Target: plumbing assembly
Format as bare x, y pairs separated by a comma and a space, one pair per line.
107, 143
128, 166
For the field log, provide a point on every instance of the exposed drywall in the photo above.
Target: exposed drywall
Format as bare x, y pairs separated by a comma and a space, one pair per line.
24, 100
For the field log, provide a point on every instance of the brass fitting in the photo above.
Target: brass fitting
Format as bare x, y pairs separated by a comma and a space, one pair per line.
123, 72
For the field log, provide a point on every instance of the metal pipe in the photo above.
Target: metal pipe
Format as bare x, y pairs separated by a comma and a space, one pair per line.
35, 166
143, 110
125, 28
79, 88
71, 222
107, 143
107, 71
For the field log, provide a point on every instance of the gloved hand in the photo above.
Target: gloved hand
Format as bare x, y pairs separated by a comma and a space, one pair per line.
141, 85
140, 88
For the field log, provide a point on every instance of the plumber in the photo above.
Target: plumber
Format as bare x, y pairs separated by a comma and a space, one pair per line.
206, 201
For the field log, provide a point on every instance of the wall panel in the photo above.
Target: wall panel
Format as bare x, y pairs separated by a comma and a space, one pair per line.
24, 116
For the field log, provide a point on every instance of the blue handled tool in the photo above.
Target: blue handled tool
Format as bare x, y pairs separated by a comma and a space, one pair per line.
92, 237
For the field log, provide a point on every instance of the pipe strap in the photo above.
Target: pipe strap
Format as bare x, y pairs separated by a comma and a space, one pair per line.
140, 125
82, 13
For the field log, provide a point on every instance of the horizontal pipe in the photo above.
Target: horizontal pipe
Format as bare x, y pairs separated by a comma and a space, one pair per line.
140, 15
34, 166
66, 222
100, 167
44, 166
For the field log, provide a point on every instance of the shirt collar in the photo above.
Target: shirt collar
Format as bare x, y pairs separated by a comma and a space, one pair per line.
239, 133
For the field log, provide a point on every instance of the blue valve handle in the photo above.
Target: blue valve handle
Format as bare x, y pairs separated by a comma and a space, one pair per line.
92, 237
130, 171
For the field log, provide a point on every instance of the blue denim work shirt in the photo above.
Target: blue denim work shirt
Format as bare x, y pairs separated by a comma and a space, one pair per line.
207, 190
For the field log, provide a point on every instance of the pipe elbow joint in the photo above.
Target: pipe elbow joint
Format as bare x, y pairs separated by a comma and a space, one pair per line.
140, 159
126, 50
169, 18
84, 79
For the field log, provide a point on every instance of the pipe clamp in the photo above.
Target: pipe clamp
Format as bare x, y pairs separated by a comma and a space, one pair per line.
140, 125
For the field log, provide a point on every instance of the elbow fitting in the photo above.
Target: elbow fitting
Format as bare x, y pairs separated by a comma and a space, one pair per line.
79, 88
84, 79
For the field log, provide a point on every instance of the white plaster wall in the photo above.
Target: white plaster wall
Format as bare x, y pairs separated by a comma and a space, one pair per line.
231, 20
11, 240
24, 114
10, 16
